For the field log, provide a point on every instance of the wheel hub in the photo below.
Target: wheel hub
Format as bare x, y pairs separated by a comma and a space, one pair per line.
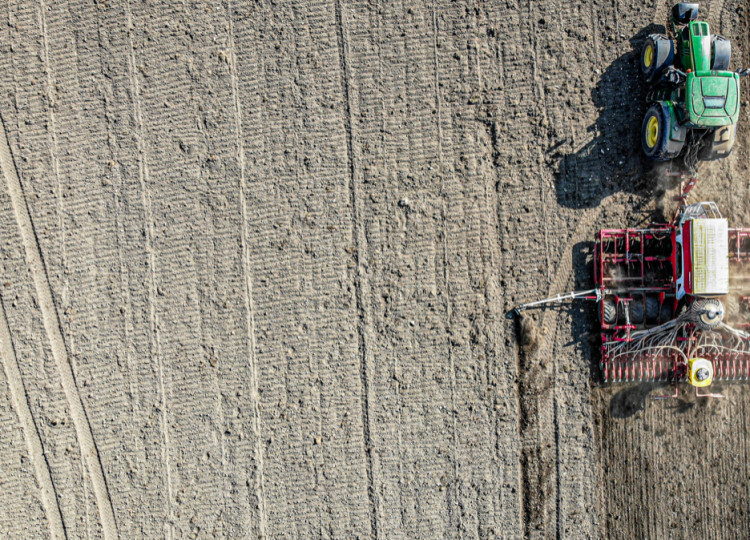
652, 131
648, 56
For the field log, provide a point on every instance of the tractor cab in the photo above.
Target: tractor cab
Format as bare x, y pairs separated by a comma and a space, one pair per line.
702, 252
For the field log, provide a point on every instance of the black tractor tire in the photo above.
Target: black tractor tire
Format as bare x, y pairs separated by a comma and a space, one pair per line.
721, 53
656, 55
719, 144
637, 310
663, 148
610, 311
665, 313
652, 309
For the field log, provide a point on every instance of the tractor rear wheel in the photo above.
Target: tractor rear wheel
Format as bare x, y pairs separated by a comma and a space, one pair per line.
721, 52
656, 55
655, 130
719, 144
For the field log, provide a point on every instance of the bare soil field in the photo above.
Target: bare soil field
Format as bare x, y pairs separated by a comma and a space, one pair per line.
255, 259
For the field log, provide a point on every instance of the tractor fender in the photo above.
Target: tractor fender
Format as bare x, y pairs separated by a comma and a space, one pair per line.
721, 52
678, 132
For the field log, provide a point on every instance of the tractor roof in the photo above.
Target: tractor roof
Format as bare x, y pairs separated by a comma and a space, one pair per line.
712, 98
709, 256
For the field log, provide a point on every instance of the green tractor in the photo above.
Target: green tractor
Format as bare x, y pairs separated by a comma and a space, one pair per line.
694, 100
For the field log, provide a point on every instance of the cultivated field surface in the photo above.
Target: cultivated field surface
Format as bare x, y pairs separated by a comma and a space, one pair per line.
255, 259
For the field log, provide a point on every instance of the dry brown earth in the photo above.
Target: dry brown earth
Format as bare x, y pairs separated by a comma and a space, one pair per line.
255, 259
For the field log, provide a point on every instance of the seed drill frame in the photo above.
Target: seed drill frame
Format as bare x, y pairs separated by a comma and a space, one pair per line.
665, 295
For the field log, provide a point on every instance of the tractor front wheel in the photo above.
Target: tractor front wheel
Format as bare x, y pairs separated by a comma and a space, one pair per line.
655, 131
656, 55
719, 144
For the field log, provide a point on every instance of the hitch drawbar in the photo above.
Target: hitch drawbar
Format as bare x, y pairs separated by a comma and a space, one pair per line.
593, 294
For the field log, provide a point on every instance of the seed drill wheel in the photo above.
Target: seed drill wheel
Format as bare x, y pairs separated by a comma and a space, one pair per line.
655, 130
665, 313
652, 309
719, 144
656, 55
609, 308
637, 310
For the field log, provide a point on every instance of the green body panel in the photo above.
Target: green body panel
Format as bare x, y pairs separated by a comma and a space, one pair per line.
694, 47
712, 98
700, 46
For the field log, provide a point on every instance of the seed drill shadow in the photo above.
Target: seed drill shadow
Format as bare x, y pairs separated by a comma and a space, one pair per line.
612, 161
631, 399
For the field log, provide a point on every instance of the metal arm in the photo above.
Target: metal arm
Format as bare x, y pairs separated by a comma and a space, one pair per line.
597, 295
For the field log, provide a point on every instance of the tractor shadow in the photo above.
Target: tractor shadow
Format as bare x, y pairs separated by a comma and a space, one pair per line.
612, 161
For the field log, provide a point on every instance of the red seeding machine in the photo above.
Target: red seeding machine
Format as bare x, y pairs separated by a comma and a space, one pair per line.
672, 300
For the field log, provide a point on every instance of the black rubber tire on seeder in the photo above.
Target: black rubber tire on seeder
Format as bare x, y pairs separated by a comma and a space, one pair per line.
610, 311
652, 309
636, 310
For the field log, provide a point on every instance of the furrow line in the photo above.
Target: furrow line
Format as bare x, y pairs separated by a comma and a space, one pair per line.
454, 517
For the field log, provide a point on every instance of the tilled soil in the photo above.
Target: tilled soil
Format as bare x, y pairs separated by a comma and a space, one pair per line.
256, 259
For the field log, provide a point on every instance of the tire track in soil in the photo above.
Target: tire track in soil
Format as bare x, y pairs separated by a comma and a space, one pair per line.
148, 227
248, 281
33, 441
57, 343
190, 144
485, 459
362, 289
558, 459
59, 128
417, 471
72, 99
303, 259
419, 130
516, 197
